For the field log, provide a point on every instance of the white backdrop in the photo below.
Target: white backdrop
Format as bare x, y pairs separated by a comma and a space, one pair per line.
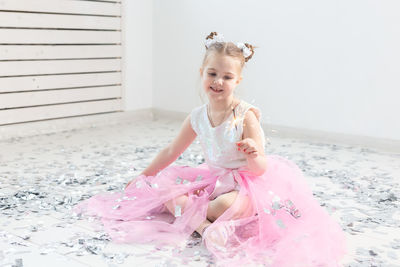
321, 65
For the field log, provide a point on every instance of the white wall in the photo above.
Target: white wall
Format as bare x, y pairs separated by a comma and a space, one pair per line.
321, 65
137, 19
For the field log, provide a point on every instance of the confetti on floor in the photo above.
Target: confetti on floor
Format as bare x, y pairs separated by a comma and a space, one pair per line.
42, 177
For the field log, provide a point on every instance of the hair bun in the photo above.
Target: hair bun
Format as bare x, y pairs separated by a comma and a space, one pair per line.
233, 49
212, 38
211, 35
249, 46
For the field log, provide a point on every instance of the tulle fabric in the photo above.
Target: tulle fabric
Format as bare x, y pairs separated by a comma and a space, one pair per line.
274, 220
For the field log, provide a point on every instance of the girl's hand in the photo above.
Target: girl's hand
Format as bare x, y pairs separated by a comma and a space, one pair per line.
249, 147
128, 183
198, 191
134, 179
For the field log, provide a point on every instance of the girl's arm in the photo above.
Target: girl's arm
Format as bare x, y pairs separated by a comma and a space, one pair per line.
170, 153
252, 146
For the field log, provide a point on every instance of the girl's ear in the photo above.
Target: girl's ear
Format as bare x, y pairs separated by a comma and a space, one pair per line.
239, 79
201, 71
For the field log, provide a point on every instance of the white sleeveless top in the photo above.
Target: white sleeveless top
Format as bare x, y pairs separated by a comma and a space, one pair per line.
219, 143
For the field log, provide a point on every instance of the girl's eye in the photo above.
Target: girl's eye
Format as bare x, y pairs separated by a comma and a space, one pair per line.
228, 78
211, 74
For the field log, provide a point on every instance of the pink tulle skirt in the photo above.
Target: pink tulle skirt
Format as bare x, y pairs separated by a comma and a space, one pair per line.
274, 219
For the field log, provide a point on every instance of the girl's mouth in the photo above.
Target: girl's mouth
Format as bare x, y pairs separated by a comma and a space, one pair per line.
215, 90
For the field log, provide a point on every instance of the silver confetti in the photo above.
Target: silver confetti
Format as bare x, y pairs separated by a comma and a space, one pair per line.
129, 198
290, 207
280, 223
295, 213
276, 205
18, 263
43, 177
178, 211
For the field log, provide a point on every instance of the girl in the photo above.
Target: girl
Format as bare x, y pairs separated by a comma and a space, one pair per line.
248, 207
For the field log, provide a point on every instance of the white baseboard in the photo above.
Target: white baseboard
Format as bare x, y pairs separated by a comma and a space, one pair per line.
65, 124
384, 145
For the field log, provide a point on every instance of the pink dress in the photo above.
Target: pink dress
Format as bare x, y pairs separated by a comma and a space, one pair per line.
274, 220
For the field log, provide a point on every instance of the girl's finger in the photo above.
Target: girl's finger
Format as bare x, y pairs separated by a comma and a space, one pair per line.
128, 184
241, 143
253, 155
243, 147
248, 149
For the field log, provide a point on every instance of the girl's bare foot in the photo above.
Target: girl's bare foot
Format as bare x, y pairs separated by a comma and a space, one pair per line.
218, 236
200, 230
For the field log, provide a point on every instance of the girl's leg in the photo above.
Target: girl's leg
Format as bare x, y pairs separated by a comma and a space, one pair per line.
215, 209
220, 204
202, 227
181, 201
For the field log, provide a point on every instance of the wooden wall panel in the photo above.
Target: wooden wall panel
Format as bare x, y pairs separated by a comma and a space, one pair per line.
59, 58
20, 52
57, 21
29, 99
10, 116
106, 8
48, 82
15, 68
38, 36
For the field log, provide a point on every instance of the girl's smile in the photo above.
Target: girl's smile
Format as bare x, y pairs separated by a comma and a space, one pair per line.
214, 89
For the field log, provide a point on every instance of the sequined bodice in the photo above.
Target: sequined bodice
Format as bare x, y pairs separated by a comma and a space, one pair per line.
219, 143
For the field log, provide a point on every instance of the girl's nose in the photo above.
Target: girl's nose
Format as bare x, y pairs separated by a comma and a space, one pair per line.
218, 81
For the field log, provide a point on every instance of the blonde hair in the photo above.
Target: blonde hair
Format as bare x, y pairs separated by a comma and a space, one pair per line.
227, 49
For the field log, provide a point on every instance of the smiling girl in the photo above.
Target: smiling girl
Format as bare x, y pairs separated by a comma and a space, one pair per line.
247, 206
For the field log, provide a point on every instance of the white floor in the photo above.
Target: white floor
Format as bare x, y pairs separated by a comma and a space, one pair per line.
42, 177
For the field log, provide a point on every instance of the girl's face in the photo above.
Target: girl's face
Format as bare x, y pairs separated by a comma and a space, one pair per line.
220, 76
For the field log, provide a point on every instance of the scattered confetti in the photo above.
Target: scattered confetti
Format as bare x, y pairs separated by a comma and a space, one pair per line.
267, 211
44, 176
178, 211
280, 223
